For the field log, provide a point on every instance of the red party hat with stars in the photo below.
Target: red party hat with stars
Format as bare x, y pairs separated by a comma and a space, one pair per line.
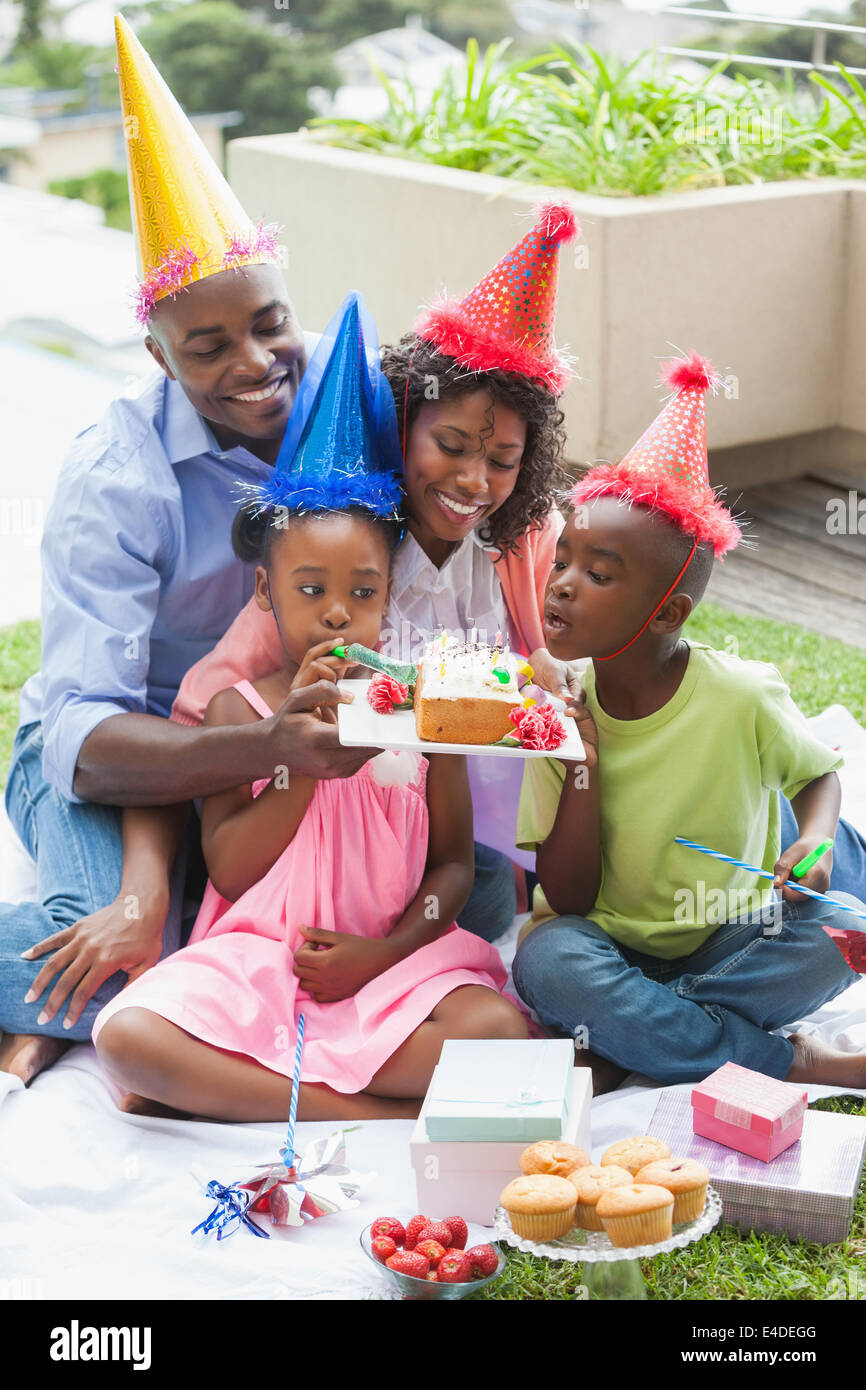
506, 322
667, 470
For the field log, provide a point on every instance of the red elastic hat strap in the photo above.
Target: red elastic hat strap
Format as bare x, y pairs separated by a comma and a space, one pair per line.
659, 605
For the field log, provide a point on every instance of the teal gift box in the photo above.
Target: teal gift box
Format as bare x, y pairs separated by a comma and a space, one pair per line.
503, 1089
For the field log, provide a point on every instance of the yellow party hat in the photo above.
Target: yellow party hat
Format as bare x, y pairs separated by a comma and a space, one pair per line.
188, 222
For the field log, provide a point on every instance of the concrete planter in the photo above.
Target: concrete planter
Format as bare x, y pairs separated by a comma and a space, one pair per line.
769, 282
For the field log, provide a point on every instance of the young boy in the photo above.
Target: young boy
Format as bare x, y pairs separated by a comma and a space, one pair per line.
659, 959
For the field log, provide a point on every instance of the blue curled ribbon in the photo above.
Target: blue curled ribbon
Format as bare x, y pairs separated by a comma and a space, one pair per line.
231, 1207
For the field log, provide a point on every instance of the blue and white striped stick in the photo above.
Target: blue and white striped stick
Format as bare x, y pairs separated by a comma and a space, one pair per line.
287, 1153
765, 873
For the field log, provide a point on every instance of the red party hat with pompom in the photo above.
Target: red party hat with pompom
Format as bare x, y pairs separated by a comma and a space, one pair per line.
506, 322
666, 470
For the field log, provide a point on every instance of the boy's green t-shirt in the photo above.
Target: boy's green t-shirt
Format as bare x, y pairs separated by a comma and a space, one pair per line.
707, 766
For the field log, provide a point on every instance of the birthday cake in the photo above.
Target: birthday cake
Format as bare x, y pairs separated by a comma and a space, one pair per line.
465, 692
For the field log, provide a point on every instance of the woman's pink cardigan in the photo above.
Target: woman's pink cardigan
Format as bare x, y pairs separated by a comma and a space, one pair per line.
251, 647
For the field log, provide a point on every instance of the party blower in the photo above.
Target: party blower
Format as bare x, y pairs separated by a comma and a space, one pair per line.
851, 943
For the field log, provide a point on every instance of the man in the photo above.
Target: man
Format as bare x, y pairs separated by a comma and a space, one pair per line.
139, 581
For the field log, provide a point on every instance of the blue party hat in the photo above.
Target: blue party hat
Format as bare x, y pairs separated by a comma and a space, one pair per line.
341, 447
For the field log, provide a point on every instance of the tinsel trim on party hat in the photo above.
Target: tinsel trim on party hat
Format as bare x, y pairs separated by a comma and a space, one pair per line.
445, 325
702, 516
691, 373
482, 330
380, 493
642, 478
178, 269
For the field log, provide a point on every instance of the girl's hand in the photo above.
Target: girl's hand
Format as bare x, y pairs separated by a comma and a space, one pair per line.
818, 877
558, 677
319, 665
126, 935
333, 965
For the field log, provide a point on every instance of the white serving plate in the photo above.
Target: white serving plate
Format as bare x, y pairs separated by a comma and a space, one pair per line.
360, 725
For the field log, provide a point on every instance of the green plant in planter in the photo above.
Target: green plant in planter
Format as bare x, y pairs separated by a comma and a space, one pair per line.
574, 119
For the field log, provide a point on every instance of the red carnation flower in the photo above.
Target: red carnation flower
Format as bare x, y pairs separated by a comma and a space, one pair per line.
385, 693
539, 727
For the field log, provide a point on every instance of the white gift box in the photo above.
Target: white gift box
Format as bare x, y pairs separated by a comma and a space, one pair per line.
466, 1178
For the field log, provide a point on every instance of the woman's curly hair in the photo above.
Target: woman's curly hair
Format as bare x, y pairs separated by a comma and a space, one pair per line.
541, 479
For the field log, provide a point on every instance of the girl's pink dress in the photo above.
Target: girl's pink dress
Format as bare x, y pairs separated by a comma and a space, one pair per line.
356, 861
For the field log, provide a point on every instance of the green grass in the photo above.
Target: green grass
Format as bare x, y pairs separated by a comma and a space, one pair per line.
727, 1264
819, 670
574, 118
19, 658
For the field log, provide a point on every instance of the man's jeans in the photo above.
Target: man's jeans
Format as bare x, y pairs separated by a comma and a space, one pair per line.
492, 903
678, 1020
79, 853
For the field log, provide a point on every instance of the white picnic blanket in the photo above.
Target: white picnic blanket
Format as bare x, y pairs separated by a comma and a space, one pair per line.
98, 1204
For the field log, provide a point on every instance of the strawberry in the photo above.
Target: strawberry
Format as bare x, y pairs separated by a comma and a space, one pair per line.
383, 1247
409, 1262
483, 1260
388, 1226
436, 1230
432, 1250
432, 1277
459, 1233
413, 1231
454, 1268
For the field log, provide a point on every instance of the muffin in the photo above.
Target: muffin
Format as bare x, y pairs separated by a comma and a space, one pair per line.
552, 1156
639, 1214
589, 1183
685, 1178
635, 1153
541, 1206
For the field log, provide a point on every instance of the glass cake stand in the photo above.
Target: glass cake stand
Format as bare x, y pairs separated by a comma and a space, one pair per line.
612, 1271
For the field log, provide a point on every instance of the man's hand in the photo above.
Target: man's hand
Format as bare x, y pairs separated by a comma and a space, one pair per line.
333, 965
818, 877
126, 935
304, 743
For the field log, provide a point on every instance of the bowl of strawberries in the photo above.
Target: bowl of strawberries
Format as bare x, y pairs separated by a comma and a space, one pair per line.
429, 1259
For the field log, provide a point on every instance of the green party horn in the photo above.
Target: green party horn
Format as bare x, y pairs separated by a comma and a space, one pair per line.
364, 656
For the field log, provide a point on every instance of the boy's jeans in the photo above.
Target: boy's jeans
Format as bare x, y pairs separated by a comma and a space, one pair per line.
678, 1020
79, 853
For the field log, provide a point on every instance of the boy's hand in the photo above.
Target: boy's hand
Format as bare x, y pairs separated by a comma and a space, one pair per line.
586, 727
333, 965
818, 877
557, 677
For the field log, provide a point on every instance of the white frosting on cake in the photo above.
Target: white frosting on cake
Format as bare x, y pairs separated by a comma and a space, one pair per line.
468, 671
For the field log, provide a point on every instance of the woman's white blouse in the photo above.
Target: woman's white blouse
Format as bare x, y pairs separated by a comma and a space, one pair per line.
463, 593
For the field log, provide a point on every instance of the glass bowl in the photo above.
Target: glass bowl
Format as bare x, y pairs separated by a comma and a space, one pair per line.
407, 1286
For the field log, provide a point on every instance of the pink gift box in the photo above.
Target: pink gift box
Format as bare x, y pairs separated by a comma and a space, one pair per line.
748, 1111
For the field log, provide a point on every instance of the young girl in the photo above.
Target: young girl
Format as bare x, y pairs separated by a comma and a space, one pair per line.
476, 391
336, 899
